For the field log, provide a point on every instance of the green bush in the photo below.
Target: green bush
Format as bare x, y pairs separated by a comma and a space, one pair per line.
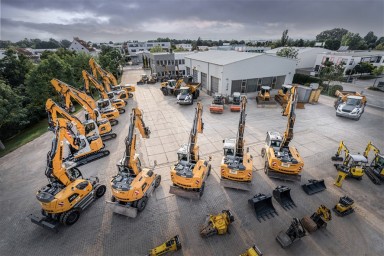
333, 89
303, 79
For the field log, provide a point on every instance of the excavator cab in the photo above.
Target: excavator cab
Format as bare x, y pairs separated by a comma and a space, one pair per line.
182, 153
104, 104
356, 164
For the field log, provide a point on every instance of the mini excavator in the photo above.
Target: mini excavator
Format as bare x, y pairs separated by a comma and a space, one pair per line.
317, 220
133, 185
67, 194
189, 174
281, 160
87, 128
375, 171
237, 165
114, 101
110, 82
217, 224
94, 111
172, 244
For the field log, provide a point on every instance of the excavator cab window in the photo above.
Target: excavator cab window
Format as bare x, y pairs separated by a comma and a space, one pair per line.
182, 156
379, 161
229, 152
89, 127
103, 104
111, 95
275, 143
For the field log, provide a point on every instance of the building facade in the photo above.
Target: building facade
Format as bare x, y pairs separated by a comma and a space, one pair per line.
137, 49
79, 45
166, 64
187, 47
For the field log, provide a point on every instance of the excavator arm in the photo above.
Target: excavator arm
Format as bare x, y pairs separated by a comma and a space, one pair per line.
96, 69
290, 113
341, 148
197, 127
370, 147
87, 78
240, 132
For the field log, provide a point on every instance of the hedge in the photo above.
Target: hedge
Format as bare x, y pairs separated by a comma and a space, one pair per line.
304, 79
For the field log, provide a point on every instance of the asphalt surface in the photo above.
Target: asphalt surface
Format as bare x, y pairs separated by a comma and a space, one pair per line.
317, 133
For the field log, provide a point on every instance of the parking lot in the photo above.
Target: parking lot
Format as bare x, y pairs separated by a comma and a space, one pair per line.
317, 134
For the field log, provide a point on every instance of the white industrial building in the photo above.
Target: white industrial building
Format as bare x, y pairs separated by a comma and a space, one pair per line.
187, 47
226, 72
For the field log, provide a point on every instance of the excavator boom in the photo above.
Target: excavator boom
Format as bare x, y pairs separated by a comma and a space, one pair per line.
290, 113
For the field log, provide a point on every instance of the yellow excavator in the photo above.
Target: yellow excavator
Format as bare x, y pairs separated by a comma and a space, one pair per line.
116, 103
189, 174
110, 82
281, 160
87, 128
375, 171
102, 109
253, 251
237, 165
67, 193
353, 165
171, 87
133, 185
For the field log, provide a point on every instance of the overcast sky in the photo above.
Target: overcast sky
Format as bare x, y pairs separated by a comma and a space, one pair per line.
122, 20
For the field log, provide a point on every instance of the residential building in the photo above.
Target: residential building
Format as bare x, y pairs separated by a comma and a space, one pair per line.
137, 49
187, 47
79, 45
226, 72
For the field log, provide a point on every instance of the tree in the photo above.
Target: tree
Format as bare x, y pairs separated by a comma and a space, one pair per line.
199, 42
288, 52
14, 68
377, 72
65, 43
284, 38
300, 43
333, 34
332, 44
156, 48
111, 60
380, 47
363, 68
330, 72
354, 41
370, 39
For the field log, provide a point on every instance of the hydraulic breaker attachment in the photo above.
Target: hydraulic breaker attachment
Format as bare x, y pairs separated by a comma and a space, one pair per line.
217, 224
314, 186
294, 233
344, 207
341, 175
263, 206
191, 194
172, 244
125, 210
236, 184
253, 251
282, 194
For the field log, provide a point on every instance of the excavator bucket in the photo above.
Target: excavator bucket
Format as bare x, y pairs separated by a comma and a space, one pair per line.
185, 193
337, 158
125, 210
236, 184
263, 206
218, 109
282, 194
314, 186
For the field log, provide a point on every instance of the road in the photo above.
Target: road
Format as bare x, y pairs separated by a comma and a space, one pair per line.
101, 232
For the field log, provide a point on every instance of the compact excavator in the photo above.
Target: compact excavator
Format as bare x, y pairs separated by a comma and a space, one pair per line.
237, 165
67, 193
87, 128
281, 160
110, 81
102, 109
133, 185
111, 97
375, 171
189, 174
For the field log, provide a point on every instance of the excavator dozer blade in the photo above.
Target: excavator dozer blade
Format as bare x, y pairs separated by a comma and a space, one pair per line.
283, 176
282, 194
263, 206
122, 209
184, 193
314, 186
45, 222
283, 239
236, 184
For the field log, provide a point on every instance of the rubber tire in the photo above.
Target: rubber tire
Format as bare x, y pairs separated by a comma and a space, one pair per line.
164, 92
266, 168
157, 181
70, 217
192, 101
113, 199
209, 170
263, 151
201, 192
100, 191
141, 204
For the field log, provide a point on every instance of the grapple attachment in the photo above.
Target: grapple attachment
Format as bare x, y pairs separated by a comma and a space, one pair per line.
282, 194
125, 210
263, 206
314, 186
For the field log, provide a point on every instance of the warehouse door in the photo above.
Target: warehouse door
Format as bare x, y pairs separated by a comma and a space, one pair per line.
236, 86
204, 80
214, 84
251, 85
279, 82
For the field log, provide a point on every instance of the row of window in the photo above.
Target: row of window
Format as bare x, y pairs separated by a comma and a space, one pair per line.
171, 72
170, 62
375, 59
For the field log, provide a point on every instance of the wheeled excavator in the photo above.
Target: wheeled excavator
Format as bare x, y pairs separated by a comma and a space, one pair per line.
375, 171
93, 110
86, 128
237, 165
353, 165
105, 97
217, 224
123, 92
281, 160
133, 185
317, 220
67, 193
189, 174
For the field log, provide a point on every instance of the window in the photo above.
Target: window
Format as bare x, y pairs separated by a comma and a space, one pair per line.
351, 62
162, 44
133, 50
158, 62
182, 61
149, 45
172, 62
183, 72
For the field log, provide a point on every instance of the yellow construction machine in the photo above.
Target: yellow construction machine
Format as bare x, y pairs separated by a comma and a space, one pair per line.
189, 174
264, 98
172, 244
236, 102
114, 101
375, 171
217, 224
344, 207
133, 185
171, 87
110, 82
101, 109
283, 94
237, 165
353, 165
253, 251
67, 193
87, 128
281, 160
317, 220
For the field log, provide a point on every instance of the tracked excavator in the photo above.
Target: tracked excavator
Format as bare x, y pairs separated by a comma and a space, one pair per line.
189, 174
281, 160
67, 193
102, 109
133, 185
87, 128
237, 165
353, 165
110, 81
375, 171
105, 97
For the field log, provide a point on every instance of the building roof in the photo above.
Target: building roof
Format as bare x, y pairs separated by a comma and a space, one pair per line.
357, 53
84, 44
222, 57
300, 49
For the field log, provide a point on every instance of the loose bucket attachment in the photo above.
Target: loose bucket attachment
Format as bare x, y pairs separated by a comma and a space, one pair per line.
125, 210
263, 206
185, 193
337, 158
282, 194
236, 184
45, 222
314, 186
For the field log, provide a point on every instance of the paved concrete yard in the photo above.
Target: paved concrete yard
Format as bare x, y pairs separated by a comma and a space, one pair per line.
100, 232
